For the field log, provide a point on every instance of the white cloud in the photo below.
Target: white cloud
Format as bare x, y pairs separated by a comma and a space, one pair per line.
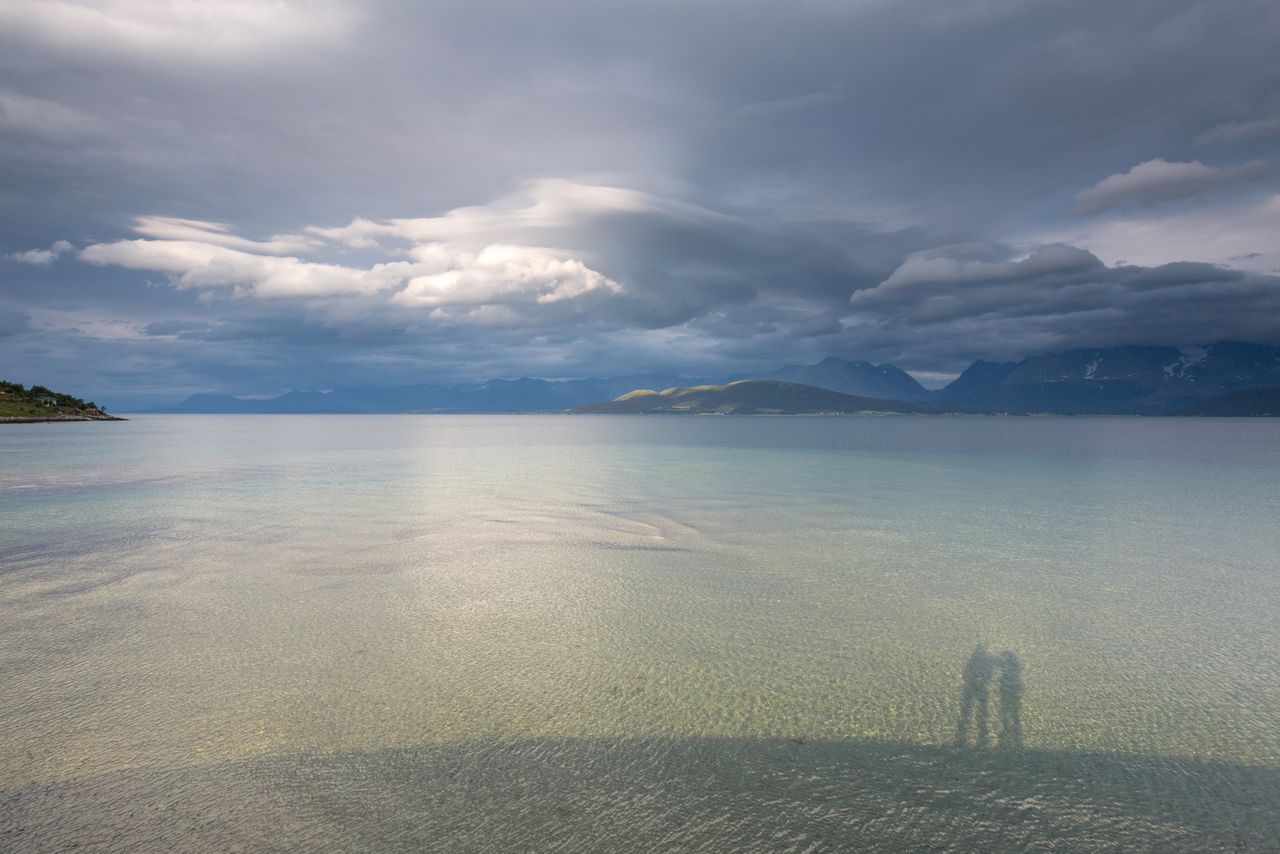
219, 234
42, 257
360, 233
205, 265
503, 272
1239, 235
1158, 180
449, 278
934, 379
543, 204
101, 328
1239, 131
191, 29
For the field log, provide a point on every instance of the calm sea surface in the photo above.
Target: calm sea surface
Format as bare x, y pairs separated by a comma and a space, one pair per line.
621, 633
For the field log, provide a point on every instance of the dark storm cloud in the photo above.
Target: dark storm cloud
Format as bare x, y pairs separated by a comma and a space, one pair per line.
13, 322
265, 196
1059, 297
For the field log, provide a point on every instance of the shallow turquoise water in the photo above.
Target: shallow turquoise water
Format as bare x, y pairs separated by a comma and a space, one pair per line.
523, 631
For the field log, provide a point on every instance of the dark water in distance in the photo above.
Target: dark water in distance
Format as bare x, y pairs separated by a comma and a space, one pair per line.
613, 633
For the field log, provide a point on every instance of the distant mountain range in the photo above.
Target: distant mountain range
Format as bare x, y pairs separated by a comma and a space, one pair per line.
519, 395
1254, 403
1114, 380
857, 378
750, 397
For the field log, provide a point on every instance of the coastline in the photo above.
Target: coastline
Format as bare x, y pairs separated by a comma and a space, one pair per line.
22, 419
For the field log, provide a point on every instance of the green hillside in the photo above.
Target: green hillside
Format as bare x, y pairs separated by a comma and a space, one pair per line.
18, 403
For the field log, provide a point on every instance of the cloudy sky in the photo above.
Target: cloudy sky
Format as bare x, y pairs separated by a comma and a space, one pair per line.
252, 197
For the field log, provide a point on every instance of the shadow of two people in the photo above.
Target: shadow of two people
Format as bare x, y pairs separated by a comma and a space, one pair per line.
975, 710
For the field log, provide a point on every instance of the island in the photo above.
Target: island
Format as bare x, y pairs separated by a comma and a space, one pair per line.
756, 397
21, 405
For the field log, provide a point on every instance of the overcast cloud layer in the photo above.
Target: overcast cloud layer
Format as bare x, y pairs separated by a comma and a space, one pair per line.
254, 197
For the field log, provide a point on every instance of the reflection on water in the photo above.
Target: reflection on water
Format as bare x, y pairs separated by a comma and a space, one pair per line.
975, 699
1010, 688
545, 632
973, 705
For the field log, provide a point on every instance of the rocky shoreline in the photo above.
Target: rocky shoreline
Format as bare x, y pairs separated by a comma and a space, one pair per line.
19, 419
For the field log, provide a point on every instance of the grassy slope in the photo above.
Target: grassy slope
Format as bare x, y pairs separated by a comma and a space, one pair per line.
11, 408
19, 403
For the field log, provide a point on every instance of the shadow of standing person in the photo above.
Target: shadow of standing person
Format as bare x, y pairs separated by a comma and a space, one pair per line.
974, 704
1010, 689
